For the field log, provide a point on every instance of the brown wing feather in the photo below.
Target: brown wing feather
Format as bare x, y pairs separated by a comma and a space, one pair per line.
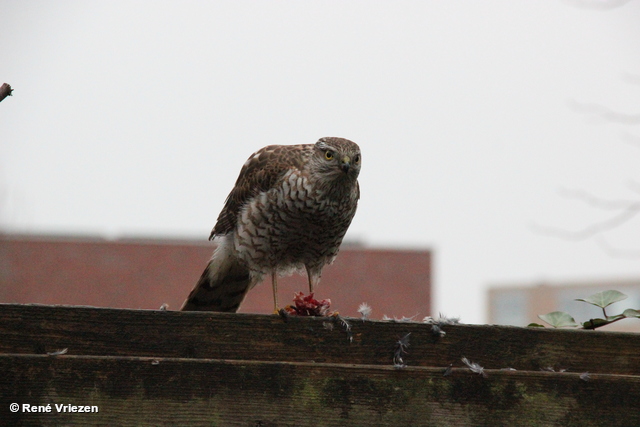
260, 173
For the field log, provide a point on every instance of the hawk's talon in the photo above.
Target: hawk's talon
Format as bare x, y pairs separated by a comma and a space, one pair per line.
283, 313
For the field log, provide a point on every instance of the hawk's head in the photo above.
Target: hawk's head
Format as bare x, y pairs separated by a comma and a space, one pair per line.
336, 159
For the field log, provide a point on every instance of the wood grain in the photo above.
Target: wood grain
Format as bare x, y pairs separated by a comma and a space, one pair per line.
34, 329
158, 391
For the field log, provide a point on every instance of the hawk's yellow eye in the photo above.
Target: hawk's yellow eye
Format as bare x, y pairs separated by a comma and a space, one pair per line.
328, 155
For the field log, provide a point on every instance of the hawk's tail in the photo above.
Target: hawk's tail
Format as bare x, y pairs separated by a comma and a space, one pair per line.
223, 284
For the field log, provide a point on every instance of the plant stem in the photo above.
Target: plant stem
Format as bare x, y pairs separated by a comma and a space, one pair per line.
606, 322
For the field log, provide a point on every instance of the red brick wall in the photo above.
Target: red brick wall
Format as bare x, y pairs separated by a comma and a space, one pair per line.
146, 274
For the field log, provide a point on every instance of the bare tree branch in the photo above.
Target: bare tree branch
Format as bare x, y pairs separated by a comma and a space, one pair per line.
591, 230
627, 209
616, 252
604, 113
5, 90
596, 201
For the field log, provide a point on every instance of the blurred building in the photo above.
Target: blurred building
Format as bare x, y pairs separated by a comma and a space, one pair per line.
521, 305
144, 274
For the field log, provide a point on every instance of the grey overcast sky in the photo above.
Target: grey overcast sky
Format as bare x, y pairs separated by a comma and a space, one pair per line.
134, 118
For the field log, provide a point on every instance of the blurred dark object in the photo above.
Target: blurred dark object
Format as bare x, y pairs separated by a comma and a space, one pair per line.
5, 90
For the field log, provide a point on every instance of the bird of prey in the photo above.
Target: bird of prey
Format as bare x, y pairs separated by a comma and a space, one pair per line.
289, 210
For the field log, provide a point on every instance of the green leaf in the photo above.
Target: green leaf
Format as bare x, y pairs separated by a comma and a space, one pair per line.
630, 312
604, 299
558, 319
535, 325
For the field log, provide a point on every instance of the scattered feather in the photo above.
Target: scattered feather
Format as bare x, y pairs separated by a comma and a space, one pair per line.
58, 352
438, 323
365, 310
155, 362
474, 367
401, 349
585, 376
164, 307
346, 326
328, 326
448, 370
552, 369
442, 320
437, 331
508, 369
398, 319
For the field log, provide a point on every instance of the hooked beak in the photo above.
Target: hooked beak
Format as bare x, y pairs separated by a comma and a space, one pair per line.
345, 165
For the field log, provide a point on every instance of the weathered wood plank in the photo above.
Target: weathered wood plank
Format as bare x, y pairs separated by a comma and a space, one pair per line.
147, 391
97, 331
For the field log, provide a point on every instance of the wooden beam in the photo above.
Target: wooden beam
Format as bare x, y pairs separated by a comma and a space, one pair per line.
34, 329
157, 391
